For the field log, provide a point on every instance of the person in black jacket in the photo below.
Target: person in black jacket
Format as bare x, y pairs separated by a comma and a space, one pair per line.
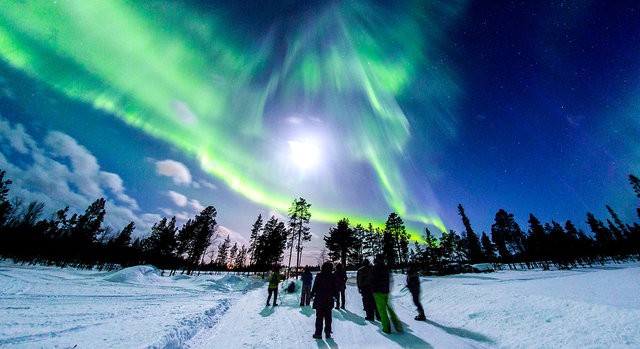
341, 284
363, 278
380, 278
324, 292
413, 284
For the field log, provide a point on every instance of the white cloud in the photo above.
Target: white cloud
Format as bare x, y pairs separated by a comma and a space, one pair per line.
85, 170
197, 206
64, 173
177, 198
206, 184
16, 137
113, 182
174, 169
233, 235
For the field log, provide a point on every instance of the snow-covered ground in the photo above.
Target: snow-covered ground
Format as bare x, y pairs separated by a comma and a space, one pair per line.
43, 307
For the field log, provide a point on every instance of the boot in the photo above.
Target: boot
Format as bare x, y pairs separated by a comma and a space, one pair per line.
420, 317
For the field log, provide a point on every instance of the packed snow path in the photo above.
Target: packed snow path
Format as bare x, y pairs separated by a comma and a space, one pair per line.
251, 324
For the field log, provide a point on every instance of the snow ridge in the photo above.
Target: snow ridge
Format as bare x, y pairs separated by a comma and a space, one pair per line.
188, 327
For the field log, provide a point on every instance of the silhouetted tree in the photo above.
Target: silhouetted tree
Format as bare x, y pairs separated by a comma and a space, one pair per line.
223, 253
470, 239
488, 248
394, 229
536, 240
340, 241
604, 237
5, 206
507, 236
253, 239
299, 216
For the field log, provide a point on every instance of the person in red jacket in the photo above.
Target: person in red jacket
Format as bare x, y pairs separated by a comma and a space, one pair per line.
324, 292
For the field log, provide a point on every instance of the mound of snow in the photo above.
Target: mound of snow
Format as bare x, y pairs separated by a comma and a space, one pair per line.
140, 274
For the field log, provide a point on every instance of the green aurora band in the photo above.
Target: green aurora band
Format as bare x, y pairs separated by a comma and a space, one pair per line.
185, 78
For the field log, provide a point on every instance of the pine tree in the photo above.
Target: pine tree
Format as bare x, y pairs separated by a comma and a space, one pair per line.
239, 262
5, 206
340, 241
223, 253
537, 247
488, 249
233, 252
356, 255
472, 243
124, 238
253, 238
394, 235
507, 236
635, 183
603, 236
620, 226
299, 217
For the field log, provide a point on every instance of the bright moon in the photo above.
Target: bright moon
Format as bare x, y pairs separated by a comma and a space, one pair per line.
304, 154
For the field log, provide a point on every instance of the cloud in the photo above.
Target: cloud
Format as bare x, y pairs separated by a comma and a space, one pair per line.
60, 173
233, 235
177, 198
207, 184
113, 182
16, 137
85, 170
174, 169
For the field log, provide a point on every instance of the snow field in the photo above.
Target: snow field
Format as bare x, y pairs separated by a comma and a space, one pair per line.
43, 307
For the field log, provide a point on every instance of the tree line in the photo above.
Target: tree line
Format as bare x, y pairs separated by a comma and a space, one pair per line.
81, 240
541, 245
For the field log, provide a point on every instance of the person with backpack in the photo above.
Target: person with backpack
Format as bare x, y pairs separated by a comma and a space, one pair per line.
341, 284
363, 277
307, 280
274, 281
413, 284
324, 292
380, 279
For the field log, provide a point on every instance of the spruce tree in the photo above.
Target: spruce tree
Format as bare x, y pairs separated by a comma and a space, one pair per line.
340, 241
253, 239
472, 243
223, 253
488, 248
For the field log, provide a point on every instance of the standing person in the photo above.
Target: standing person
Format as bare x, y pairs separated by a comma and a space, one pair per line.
363, 278
274, 281
341, 284
307, 279
324, 292
413, 284
380, 279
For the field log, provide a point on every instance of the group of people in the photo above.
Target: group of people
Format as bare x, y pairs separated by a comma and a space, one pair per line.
328, 292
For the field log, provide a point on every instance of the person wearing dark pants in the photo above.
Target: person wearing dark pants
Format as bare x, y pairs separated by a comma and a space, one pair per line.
324, 292
341, 284
307, 280
413, 284
363, 277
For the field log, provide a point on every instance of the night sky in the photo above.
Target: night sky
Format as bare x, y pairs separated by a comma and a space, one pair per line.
361, 108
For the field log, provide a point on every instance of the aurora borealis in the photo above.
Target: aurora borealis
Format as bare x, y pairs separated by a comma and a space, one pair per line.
361, 107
